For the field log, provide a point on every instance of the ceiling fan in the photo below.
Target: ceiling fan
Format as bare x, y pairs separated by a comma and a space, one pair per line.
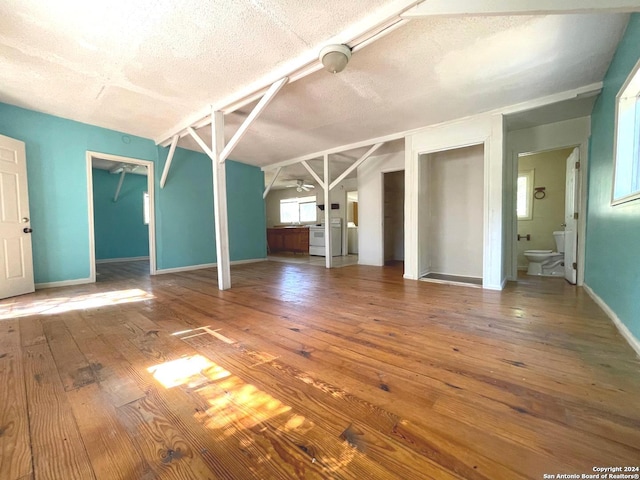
300, 186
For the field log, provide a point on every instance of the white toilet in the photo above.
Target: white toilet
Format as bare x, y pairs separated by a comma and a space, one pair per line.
546, 262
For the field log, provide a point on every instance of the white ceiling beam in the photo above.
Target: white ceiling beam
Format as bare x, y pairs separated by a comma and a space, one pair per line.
202, 143
357, 36
355, 165
255, 113
268, 189
313, 174
518, 7
587, 90
167, 163
119, 187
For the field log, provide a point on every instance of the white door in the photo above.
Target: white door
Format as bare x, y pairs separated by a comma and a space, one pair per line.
571, 217
16, 262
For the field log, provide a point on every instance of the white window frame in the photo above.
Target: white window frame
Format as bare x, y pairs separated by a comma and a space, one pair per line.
530, 176
299, 201
626, 144
145, 208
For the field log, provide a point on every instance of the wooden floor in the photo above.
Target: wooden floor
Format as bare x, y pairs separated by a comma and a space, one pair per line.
300, 372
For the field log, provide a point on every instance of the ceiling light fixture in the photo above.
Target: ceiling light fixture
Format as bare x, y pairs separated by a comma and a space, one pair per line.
335, 57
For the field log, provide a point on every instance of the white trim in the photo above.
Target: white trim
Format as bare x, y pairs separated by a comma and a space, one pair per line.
65, 283
206, 265
152, 210
118, 260
518, 7
622, 328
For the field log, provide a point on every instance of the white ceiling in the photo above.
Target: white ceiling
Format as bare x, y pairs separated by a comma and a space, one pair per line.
142, 67
102, 164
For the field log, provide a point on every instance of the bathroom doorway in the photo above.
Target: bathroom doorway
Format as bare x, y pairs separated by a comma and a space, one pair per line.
547, 211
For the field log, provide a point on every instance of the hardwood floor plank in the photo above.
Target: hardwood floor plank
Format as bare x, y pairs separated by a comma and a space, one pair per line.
58, 449
73, 367
15, 447
112, 453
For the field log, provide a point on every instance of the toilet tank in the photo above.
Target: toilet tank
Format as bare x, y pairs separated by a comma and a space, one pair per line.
559, 236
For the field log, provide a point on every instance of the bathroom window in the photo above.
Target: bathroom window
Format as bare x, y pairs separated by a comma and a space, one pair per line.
626, 179
298, 210
525, 195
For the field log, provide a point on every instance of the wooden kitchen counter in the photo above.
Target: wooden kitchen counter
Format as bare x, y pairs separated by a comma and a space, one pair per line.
288, 239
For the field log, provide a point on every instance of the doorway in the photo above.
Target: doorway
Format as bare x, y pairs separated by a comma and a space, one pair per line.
393, 204
452, 215
352, 223
121, 212
547, 212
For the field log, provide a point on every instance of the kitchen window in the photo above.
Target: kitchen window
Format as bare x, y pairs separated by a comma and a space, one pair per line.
298, 210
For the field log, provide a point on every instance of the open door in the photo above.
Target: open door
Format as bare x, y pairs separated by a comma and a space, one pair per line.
16, 261
571, 217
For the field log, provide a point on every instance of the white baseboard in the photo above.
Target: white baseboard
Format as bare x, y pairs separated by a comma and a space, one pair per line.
118, 260
622, 328
249, 260
201, 266
64, 283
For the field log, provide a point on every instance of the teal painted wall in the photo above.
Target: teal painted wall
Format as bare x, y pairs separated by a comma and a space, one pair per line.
248, 230
612, 259
186, 234
57, 175
119, 226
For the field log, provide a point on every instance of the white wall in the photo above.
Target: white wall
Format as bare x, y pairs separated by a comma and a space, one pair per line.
370, 207
487, 129
455, 194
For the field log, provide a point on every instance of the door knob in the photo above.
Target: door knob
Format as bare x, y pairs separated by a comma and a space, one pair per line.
27, 230
25, 219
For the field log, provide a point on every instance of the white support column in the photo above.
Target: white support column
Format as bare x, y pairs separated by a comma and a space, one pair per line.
167, 164
275, 177
124, 172
327, 214
255, 113
220, 201
314, 174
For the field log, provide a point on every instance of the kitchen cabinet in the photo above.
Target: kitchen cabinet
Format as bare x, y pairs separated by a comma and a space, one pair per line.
288, 239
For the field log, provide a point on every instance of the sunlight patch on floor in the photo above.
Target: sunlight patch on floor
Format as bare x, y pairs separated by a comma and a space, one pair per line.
52, 306
232, 405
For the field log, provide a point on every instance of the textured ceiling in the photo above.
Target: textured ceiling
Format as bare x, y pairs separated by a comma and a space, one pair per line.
142, 67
